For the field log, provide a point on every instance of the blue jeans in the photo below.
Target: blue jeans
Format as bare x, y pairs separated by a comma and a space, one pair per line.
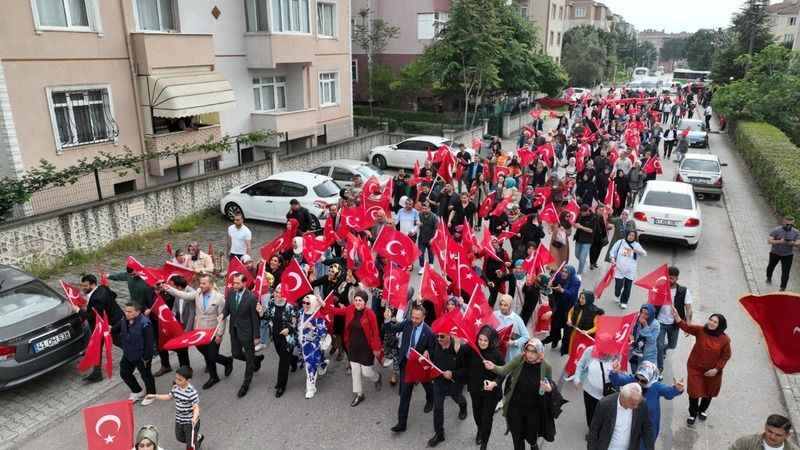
422, 248
582, 253
667, 340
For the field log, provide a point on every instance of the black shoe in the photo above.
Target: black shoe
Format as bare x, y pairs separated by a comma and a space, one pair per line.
690, 421
398, 428
769, 280
258, 361
462, 413
702, 416
435, 440
379, 383
94, 377
483, 445
293, 368
228, 369
358, 398
428, 407
211, 382
279, 392
243, 390
478, 439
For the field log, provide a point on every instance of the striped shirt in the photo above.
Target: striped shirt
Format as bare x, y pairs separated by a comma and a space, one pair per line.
185, 399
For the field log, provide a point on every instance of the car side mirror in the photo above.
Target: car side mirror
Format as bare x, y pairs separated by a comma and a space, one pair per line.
723, 164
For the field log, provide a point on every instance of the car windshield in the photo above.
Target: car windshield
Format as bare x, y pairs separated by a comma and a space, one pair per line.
368, 170
694, 126
326, 189
23, 302
700, 165
447, 143
668, 200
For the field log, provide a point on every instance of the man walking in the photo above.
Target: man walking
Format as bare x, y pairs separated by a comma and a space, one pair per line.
621, 422
444, 355
240, 306
104, 301
775, 436
209, 305
136, 337
783, 240
668, 331
239, 237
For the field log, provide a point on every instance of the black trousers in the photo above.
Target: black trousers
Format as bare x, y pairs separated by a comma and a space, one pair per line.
668, 146
483, 412
284, 360
523, 425
244, 350
589, 403
594, 252
212, 357
406, 389
528, 306
441, 390
558, 322
126, 369
698, 405
786, 266
183, 357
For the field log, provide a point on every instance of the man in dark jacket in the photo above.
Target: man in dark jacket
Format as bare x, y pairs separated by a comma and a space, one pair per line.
102, 300
427, 229
300, 214
240, 306
138, 289
414, 333
136, 338
444, 355
621, 422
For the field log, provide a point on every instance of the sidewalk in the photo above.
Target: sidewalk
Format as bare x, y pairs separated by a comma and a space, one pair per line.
752, 219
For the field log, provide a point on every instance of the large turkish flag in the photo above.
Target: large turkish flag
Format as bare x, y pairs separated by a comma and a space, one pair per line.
109, 426
778, 315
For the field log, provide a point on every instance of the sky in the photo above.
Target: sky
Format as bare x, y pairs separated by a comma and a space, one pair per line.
676, 15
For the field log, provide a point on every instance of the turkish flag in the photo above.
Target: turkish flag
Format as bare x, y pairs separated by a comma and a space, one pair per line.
476, 144
294, 283
613, 333
604, 282
549, 214
503, 336
109, 426
468, 239
434, 288
541, 195
516, 225
612, 196
194, 338
395, 287
464, 277
578, 344
313, 247
109, 346
371, 187
355, 219
486, 245
447, 323
396, 246
501, 170
367, 271
487, 205
371, 207
613, 155
103, 278
536, 113
419, 369
92, 355
278, 245
572, 209
171, 269
74, 294
653, 165
536, 263
478, 314
325, 312
328, 233
168, 326
236, 266
543, 315
526, 156
140, 270
501, 207
528, 132
260, 286
778, 315
657, 285
548, 153
446, 169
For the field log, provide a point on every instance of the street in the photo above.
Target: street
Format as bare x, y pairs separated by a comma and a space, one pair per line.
713, 273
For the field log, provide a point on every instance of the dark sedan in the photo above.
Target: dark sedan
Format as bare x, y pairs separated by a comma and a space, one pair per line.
39, 331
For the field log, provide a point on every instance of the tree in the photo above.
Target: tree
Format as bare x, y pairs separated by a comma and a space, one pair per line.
646, 54
583, 55
372, 35
752, 27
673, 49
702, 45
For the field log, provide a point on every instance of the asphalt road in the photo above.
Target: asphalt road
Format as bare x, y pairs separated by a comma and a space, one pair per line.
713, 273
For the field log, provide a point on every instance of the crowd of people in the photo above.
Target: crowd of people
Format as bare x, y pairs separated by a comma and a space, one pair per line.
558, 192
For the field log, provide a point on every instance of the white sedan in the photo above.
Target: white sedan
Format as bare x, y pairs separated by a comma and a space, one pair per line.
405, 153
268, 199
668, 210
343, 170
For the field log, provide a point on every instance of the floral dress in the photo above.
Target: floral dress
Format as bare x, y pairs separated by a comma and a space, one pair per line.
311, 331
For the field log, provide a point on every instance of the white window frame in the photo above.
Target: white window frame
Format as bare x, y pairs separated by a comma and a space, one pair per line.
334, 89
437, 20
334, 25
273, 15
275, 84
580, 11
251, 4
354, 70
113, 136
92, 14
175, 18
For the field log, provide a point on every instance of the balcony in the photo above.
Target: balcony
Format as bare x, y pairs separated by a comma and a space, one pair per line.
265, 50
176, 140
154, 51
300, 123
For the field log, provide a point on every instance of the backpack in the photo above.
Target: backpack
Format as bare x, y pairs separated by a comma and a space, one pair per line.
313, 222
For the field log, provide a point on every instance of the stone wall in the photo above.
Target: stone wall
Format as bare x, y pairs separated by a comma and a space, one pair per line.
47, 237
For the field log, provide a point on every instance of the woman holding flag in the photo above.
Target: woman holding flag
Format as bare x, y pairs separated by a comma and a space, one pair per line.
582, 318
311, 332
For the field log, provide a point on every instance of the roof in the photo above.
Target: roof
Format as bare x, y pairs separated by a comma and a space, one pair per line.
433, 139
671, 186
703, 156
11, 277
788, 7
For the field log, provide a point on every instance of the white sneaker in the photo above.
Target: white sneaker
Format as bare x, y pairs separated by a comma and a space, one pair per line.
421, 270
310, 393
499, 405
616, 299
259, 347
324, 369
135, 397
623, 306
148, 401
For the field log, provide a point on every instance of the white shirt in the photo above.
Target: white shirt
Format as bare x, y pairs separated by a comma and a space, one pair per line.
621, 437
708, 110
626, 258
593, 384
665, 313
408, 220
239, 238
767, 447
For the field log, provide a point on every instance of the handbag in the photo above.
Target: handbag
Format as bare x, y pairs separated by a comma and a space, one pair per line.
608, 388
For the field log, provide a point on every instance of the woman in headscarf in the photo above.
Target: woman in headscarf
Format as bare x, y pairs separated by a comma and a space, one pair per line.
622, 225
311, 332
519, 332
582, 316
652, 390
484, 386
592, 372
566, 286
711, 351
147, 438
645, 337
585, 189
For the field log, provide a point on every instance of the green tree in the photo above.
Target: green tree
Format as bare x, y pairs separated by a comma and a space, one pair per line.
703, 44
752, 26
646, 54
372, 35
673, 49
584, 56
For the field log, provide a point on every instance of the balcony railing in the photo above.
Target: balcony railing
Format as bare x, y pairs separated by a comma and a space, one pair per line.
176, 140
166, 50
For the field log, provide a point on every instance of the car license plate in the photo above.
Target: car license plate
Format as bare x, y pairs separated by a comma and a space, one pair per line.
52, 341
698, 180
667, 222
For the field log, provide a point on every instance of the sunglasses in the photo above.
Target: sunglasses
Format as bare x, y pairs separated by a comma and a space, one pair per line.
306, 303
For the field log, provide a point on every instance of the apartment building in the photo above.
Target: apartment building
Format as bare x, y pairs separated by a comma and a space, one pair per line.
590, 12
784, 20
551, 18
81, 77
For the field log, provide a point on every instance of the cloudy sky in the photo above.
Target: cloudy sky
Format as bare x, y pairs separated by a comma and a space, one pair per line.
676, 15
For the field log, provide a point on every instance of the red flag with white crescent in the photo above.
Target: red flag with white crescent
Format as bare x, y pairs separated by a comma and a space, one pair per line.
109, 426
92, 355
657, 285
573, 210
294, 283
236, 266
578, 344
168, 326
604, 282
194, 338
778, 316
171, 269
487, 205
433, 287
613, 335
653, 165
395, 287
419, 369
549, 214
74, 294
108, 366
396, 246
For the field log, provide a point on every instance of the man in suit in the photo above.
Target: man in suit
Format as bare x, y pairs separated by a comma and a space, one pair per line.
417, 334
621, 422
240, 306
104, 301
208, 305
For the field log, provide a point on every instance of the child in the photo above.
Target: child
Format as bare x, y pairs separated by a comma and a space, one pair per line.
187, 408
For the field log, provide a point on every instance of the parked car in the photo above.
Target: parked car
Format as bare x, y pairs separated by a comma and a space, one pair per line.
668, 210
342, 171
405, 153
268, 199
39, 331
703, 171
578, 93
698, 135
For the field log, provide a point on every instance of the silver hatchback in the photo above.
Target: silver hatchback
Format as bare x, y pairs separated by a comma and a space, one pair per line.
703, 171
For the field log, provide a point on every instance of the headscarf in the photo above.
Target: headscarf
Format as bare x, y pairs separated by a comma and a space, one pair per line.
723, 324
588, 297
651, 313
649, 372
510, 183
148, 432
491, 335
571, 284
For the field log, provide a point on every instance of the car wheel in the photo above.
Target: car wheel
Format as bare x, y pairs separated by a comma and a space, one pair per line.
693, 246
232, 209
379, 162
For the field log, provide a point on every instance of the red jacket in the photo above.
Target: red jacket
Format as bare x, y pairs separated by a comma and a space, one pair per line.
368, 323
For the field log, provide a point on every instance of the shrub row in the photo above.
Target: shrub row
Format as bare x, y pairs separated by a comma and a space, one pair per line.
405, 116
408, 126
774, 162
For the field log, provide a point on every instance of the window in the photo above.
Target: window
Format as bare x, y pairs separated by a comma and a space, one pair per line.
156, 15
326, 19
328, 88
257, 16
788, 38
340, 174
428, 24
523, 11
290, 189
268, 188
553, 12
269, 93
552, 39
290, 16
124, 187
558, 41
324, 170
580, 11
211, 164
326, 189
354, 70
82, 116
668, 200
560, 12
792, 20
72, 14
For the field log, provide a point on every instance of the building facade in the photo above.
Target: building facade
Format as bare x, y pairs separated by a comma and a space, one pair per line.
551, 20
590, 12
784, 20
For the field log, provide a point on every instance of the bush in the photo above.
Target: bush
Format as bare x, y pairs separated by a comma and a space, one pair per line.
404, 116
411, 127
373, 122
773, 162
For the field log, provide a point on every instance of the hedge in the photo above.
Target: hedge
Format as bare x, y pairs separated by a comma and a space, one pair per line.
774, 163
373, 122
405, 116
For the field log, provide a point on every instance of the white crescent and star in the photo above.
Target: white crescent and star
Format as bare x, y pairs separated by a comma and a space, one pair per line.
161, 313
198, 337
109, 438
389, 248
297, 279
796, 330
349, 223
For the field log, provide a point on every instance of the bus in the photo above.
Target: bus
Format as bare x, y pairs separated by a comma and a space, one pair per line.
684, 76
640, 73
